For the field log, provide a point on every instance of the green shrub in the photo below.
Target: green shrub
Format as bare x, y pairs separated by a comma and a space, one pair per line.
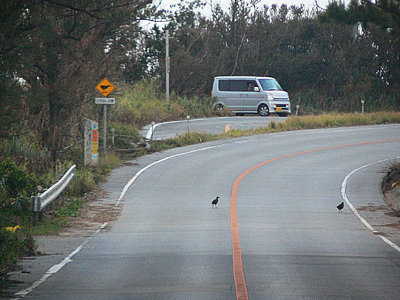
109, 162
25, 151
16, 187
14, 245
71, 209
124, 129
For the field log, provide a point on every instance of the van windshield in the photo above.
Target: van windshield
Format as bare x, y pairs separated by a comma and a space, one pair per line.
270, 84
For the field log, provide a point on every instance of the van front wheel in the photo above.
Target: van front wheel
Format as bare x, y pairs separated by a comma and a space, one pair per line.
219, 107
263, 110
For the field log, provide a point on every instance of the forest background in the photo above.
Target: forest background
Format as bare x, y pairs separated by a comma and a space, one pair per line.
54, 52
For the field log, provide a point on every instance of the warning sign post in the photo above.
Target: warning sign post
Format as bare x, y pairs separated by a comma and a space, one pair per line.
105, 87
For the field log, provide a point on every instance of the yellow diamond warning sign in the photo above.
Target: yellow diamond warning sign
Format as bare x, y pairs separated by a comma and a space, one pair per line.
105, 87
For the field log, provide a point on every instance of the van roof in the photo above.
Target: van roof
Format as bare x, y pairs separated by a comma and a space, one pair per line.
242, 77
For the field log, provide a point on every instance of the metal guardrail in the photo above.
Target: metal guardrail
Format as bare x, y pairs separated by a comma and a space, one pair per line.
40, 201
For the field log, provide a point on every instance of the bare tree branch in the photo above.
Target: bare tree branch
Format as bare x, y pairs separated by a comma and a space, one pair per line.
73, 8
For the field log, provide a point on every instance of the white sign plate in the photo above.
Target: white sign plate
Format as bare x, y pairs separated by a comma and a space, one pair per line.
104, 100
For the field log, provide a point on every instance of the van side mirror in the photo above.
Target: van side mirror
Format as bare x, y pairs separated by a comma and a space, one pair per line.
256, 89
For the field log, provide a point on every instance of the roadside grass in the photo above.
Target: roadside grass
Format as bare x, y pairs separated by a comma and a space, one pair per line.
184, 140
341, 120
143, 103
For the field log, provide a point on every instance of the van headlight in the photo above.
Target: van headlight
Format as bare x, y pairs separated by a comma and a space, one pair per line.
270, 97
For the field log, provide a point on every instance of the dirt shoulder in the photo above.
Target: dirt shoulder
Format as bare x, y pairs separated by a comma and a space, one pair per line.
98, 209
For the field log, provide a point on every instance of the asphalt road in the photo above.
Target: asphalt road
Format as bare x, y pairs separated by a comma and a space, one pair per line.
170, 244
172, 129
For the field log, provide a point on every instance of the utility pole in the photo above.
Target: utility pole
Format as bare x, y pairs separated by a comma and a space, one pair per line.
167, 65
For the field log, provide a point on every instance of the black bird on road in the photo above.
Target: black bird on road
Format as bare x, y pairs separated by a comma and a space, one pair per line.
340, 206
214, 202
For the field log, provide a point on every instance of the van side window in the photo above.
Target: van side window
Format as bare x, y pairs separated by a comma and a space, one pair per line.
238, 85
223, 85
251, 84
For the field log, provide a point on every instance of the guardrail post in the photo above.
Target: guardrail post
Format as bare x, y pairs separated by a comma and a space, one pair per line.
44, 200
36, 203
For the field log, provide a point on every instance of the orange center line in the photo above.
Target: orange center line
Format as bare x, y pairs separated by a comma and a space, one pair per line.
238, 273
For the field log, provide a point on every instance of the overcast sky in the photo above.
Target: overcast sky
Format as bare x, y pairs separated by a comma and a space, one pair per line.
225, 3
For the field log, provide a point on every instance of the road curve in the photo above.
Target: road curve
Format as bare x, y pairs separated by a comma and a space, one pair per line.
170, 244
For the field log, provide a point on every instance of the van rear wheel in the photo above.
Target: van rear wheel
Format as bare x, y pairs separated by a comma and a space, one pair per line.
263, 110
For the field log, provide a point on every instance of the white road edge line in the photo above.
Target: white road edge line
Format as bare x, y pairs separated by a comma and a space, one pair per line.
54, 269
128, 185
354, 210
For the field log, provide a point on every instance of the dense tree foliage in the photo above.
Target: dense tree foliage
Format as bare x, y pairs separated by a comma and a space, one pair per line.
326, 64
53, 53
376, 30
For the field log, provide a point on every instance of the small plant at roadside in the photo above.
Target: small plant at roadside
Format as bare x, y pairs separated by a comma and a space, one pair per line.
71, 209
392, 177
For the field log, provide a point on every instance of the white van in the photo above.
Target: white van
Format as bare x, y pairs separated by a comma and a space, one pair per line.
250, 94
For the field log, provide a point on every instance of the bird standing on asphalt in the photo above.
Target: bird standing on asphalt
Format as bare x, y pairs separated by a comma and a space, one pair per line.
340, 206
214, 202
